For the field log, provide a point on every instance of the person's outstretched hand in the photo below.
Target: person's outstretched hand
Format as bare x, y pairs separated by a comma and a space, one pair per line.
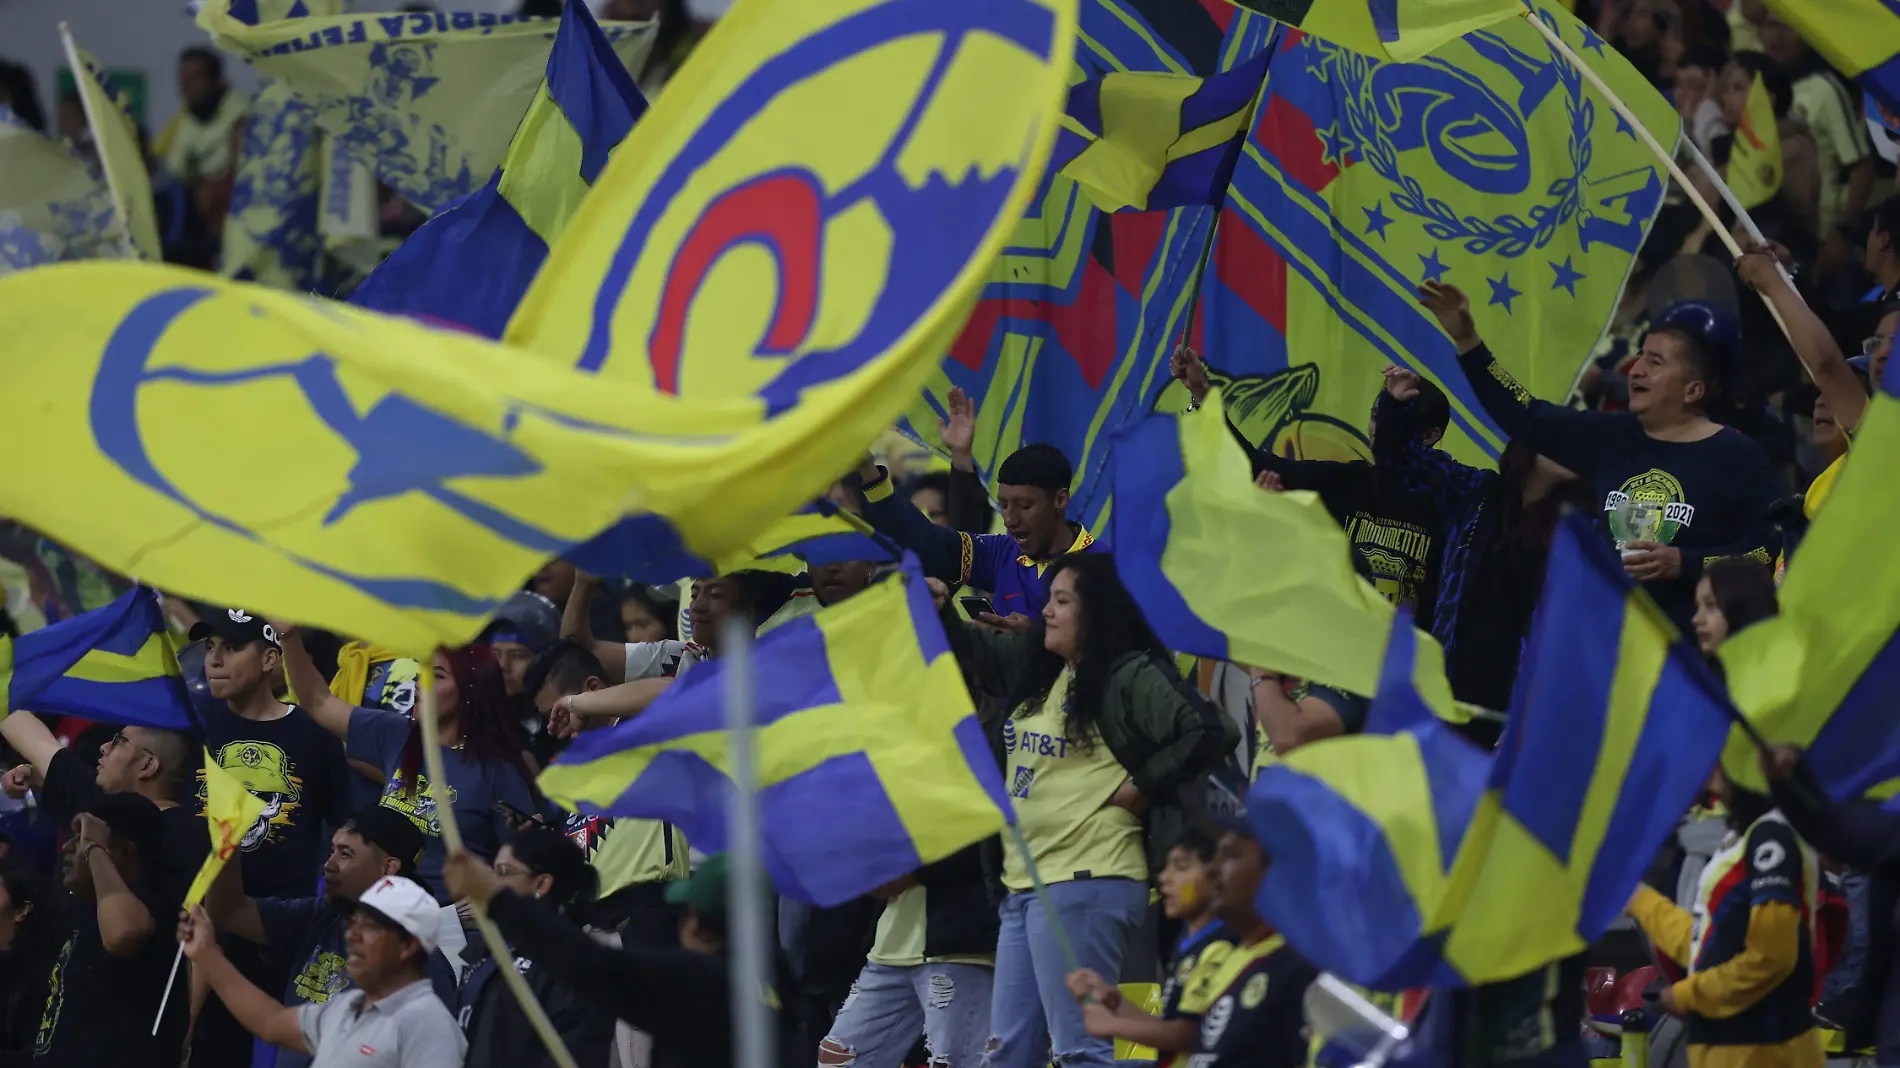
17, 781
1453, 310
1760, 264
959, 429
1187, 366
1400, 383
939, 592
195, 933
470, 878
1779, 761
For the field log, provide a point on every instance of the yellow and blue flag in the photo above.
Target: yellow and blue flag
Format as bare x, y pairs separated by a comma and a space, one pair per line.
1825, 673
1388, 29
428, 99
1469, 867
1861, 38
472, 262
1490, 162
115, 664
231, 809
1187, 510
1071, 338
1754, 162
817, 534
52, 207
121, 155
1145, 141
871, 762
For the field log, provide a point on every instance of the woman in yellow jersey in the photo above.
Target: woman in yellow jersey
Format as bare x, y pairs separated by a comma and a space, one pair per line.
1102, 736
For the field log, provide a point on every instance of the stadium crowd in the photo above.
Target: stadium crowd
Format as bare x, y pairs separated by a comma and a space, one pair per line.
343, 934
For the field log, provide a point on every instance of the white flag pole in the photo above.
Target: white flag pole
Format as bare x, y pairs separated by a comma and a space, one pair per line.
751, 956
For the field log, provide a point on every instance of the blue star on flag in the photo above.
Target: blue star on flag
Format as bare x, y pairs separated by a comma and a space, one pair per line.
1591, 41
1376, 219
1624, 127
1333, 145
1567, 276
1435, 268
1501, 291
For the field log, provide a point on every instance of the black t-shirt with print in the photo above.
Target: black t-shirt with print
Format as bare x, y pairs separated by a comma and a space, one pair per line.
100, 1008
1259, 1019
298, 768
71, 787
1714, 493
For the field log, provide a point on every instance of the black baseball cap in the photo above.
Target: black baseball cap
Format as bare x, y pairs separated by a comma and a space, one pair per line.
235, 626
390, 831
133, 818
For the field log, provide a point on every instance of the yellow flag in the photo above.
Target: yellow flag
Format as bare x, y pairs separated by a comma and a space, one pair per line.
51, 207
230, 810
1754, 162
120, 154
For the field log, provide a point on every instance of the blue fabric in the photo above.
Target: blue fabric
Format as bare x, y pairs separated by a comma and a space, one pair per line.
949, 1004
1032, 1012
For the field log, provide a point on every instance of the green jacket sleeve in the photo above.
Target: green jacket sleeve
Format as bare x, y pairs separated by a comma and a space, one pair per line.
993, 662
1165, 733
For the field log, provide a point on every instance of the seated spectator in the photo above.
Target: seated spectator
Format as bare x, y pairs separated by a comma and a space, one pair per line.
392, 934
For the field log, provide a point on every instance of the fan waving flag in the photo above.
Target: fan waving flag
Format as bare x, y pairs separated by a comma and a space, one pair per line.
114, 664
121, 155
1825, 672
871, 762
472, 263
1861, 38
230, 811
1489, 162
1411, 858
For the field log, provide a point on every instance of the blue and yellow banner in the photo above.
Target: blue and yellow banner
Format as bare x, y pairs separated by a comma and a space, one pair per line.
52, 207
428, 100
396, 482
1388, 29
1406, 857
1861, 38
114, 664
1489, 163
1071, 338
473, 262
1825, 673
121, 155
871, 762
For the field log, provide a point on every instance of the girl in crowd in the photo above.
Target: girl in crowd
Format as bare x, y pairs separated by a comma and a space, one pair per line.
1732, 594
32, 929
488, 778
1102, 736
546, 866
649, 618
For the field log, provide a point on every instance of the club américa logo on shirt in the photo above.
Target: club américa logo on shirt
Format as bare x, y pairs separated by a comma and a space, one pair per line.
1654, 487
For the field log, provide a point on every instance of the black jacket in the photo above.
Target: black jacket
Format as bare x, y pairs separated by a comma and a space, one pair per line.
681, 998
1867, 839
498, 1031
22, 1001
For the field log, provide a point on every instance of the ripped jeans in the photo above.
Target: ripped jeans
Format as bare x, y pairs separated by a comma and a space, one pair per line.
1032, 1013
949, 1004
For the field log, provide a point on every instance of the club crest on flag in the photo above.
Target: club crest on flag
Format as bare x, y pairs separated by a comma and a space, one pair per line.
731, 214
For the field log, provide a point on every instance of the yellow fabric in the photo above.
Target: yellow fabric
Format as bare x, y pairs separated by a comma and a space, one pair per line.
1060, 788
1821, 487
902, 931
1754, 164
1204, 982
230, 810
1422, 25
353, 662
1803, 1051
54, 209
119, 152
1770, 956
1148, 996
635, 851
1667, 924
1853, 35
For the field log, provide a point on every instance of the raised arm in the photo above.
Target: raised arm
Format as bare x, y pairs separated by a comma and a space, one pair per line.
1565, 435
125, 923
1813, 342
331, 712
577, 626
1398, 447
31, 739
261, 1014
945, 553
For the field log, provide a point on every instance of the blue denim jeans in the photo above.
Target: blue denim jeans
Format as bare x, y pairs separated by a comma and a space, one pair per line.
1033, 1015
949, 1004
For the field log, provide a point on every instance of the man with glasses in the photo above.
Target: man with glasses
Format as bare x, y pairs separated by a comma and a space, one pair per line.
158, 765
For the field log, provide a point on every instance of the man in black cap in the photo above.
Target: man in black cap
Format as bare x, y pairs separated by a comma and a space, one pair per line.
309, 932
1254, 999
111, 975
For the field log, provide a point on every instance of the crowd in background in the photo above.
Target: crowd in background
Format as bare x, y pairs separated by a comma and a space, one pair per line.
343, 934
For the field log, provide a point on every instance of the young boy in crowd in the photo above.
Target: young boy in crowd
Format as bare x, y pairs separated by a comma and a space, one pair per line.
1186, 895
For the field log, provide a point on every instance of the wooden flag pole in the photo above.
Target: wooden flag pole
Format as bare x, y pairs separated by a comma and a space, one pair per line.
452, 842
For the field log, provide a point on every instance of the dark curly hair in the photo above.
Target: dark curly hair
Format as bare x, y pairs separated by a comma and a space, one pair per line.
1112, 627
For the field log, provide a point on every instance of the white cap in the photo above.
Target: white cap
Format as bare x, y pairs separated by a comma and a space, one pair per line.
407, 905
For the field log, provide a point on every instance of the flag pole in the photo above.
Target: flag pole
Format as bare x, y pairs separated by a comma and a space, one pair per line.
751, 956
428, 722
1728, 197
1636, 126
170, 981
122, 209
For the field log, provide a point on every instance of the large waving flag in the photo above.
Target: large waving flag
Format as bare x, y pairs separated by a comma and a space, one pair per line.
1825, 673
871, 761
121, 155
397, 481
1467, 867
472, 263
1187, 511
114, 664
819, 533
427, 99
1072, 337
1388, 29
1490, 162
52, 208
1861, 38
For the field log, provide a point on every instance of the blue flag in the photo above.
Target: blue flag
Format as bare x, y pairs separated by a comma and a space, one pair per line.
115, 664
